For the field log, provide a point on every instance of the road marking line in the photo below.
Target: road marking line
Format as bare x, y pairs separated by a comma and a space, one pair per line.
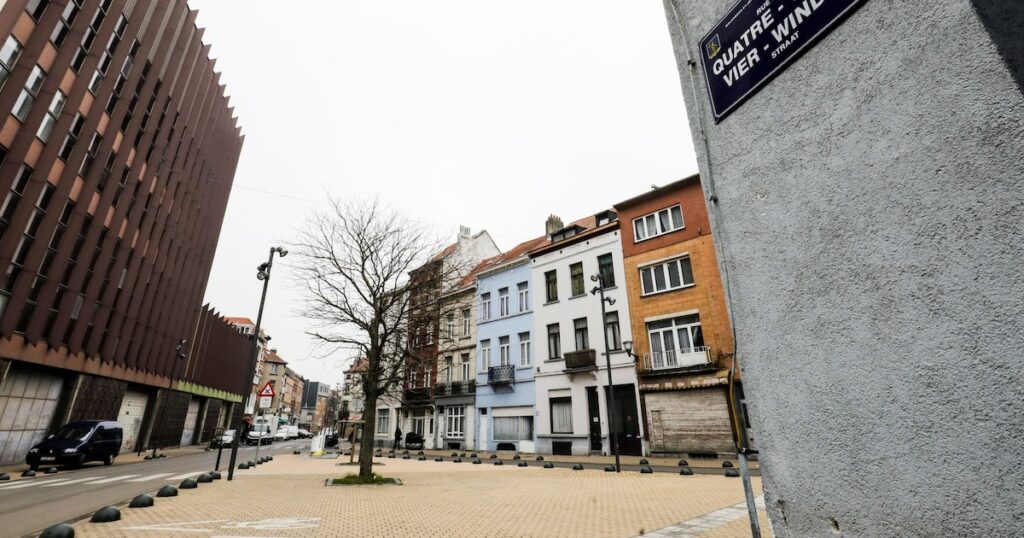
69, 482
191, 474
111, 479
150, 477
21, 484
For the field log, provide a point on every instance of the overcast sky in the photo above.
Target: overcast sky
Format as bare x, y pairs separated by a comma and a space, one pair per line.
486, 114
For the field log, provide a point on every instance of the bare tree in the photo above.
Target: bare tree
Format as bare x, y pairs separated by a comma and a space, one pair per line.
355, 261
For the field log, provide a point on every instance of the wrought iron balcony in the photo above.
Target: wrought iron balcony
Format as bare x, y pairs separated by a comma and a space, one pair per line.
417, 395
501, 375
676, 358
455, 387
585, 359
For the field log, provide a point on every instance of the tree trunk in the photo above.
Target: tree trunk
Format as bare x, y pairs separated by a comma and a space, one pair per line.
369, 427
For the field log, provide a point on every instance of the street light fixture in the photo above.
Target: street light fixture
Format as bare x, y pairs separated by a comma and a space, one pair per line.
612, 434
263, 274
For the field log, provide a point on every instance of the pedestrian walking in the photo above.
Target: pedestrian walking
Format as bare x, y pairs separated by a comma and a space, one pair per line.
398, 436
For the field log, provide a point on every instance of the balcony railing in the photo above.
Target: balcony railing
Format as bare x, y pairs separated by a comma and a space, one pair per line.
416, 395
501, 375
455, 387
581, 360
676, 358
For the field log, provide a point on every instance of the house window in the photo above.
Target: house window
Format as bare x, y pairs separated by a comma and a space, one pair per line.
273, 369
465, 322
561, 415
503, 302
383, 416
485, 306
554, 342
52, 113
576, 279
580, 329
524, 296
448, 374
455, 416
28, 95
426, 377
413, 377
606, 270
672, 337
485, 354
9, 55
503, 350
551, 286
524, 349
666, 276
72, 137
465, 366
90, 155
513, 428
14, 196
451, 325
67, 18
611, 327
657, 223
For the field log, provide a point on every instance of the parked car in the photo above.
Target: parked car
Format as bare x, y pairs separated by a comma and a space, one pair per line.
413, 441
331, 440
281, 434
223, 440
259, 434
304, 434
76, 443
293, 431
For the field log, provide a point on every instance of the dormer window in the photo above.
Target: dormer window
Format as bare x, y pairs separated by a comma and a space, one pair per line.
606, 217
566, 233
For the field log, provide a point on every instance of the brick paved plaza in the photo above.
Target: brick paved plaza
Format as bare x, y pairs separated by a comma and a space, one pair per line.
441, 499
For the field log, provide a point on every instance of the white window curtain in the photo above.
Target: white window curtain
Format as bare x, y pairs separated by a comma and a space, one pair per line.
561, 416
513, 428
382, 420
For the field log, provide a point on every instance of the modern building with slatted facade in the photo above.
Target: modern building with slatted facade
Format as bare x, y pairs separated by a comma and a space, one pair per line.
118, 149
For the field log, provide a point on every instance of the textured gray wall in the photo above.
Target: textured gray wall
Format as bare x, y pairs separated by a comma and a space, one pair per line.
871, 216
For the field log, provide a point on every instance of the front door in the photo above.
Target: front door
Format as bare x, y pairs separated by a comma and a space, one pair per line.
595, 419
627, 423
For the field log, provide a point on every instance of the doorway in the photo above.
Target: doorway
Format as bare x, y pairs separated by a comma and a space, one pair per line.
594, 407
627, 423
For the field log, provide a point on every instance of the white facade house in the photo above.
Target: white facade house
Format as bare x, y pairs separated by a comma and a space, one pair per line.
571, 376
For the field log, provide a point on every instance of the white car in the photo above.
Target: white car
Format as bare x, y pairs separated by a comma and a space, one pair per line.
281, 434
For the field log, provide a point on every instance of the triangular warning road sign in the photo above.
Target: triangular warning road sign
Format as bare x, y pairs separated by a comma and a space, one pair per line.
268, 390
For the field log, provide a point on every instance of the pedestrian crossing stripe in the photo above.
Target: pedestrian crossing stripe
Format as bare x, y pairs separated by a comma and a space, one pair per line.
192, 474
75, 481
111, 479
150, 477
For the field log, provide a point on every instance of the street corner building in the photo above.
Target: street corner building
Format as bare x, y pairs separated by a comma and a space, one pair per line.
117, 153
862, 161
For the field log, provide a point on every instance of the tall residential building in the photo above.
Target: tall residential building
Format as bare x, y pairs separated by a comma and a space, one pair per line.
572, 375
506, 351
117, 153
683, 338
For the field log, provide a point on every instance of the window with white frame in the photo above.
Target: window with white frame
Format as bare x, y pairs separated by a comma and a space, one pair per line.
524, 349
503, 350
561, 415
524, 296
451, 325
485, 354
465, 366
485, 306
513, 428
465, 321
426, 377
413, 375
582, 337
554, 342
455, 416
52, 113
671, 338
666, 276
503, 302
448, 370
383, 416
658, 223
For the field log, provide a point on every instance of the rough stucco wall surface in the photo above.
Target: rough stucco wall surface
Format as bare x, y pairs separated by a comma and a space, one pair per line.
871, 217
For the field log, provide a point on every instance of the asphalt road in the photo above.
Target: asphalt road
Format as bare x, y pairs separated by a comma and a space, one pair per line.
28, 506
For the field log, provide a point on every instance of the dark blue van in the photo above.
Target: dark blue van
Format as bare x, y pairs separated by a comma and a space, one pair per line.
76, 443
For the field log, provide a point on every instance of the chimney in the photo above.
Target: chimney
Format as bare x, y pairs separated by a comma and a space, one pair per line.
552, 225
464, 233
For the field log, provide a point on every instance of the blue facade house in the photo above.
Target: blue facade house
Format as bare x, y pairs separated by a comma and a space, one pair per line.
505, 395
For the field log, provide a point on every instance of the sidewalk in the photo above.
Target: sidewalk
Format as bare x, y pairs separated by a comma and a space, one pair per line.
288, 498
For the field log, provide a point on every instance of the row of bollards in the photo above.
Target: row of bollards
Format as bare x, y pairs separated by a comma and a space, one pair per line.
110, 514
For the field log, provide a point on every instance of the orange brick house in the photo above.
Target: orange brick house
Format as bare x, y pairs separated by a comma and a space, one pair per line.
683, 340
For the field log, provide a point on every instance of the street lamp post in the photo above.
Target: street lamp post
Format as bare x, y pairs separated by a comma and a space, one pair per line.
612, 434
263, 273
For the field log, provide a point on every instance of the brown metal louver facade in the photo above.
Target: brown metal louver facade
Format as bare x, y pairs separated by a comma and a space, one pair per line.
119, 149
